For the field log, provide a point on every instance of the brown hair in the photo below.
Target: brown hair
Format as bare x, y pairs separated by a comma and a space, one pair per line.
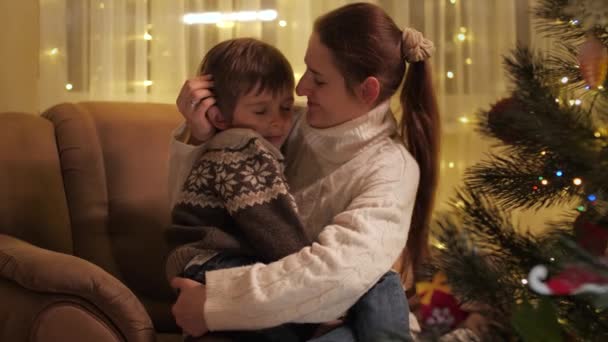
241, 65
365, 41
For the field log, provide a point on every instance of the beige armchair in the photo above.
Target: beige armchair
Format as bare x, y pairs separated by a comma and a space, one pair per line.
83, 209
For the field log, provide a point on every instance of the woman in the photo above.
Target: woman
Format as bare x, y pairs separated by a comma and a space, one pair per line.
360, 192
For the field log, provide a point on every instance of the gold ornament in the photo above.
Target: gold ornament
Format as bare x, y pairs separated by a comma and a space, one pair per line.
593, 61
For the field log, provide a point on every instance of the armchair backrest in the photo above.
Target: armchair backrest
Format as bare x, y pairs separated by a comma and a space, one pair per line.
33, 206
114, 164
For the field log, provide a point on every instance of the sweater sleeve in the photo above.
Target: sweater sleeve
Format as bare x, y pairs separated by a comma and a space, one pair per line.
250, 183
321, 282
181, 159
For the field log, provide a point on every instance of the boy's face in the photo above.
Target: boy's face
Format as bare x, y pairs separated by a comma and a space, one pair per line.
270, 116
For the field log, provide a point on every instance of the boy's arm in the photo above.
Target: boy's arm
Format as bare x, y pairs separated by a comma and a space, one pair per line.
251, 184
180, 160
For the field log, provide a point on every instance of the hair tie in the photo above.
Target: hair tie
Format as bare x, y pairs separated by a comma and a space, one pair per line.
414, 46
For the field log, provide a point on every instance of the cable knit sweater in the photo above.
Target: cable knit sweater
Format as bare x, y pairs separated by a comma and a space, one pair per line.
355, 187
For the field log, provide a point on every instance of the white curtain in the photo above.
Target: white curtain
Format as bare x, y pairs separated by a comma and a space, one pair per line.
140, 50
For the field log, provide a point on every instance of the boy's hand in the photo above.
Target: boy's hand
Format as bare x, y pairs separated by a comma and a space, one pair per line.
195, 99
189, 310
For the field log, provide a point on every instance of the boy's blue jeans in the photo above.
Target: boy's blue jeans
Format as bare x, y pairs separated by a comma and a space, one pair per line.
382, 314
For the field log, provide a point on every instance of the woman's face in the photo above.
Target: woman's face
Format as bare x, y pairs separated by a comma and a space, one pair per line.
329, 102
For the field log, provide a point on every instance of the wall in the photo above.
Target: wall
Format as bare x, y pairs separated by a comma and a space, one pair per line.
19, 49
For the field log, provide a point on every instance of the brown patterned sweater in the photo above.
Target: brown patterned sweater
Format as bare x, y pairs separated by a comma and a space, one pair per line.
236, 199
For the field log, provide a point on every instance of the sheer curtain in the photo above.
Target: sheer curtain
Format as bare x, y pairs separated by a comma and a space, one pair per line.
141, 50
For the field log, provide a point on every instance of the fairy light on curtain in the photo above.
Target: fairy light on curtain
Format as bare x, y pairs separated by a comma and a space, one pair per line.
141, 50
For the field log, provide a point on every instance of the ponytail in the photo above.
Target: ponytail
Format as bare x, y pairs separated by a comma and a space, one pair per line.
420, 130
364, 41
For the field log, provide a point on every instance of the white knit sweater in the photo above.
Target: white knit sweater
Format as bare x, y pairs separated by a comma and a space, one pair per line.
355, 187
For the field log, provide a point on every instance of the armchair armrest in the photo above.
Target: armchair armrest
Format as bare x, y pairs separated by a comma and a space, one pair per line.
44, 271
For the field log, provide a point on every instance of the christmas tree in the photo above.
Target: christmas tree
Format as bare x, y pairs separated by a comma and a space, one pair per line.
552, 150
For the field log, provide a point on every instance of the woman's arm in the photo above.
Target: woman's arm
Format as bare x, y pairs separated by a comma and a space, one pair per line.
194, 100
320, 282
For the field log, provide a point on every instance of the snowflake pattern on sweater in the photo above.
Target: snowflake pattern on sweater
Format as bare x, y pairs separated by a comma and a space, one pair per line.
237, 191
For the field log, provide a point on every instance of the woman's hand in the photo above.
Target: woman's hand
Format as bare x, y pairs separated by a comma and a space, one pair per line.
194, 100
189, 310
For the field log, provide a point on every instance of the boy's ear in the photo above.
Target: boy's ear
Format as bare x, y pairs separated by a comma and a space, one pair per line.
370, 90
216, 118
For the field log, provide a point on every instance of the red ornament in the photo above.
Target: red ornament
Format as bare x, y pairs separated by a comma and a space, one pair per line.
593, 61
438, 307
501, 117
591, 236
573, 279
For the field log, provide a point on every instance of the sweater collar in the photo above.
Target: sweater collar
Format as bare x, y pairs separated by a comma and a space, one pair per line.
341, 143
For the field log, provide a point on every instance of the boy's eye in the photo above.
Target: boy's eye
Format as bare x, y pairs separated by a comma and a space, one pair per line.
317, 82
287, 109
260, 112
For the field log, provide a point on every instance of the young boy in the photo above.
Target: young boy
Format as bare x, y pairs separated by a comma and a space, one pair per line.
235, 207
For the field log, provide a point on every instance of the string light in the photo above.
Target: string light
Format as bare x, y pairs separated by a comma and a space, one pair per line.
559, 173
147, 36
468, 61
225, 24
148, 83
101, 5
535, 188
450, 74
542, 153
69, 86
451, 165
580, 208
557, 101
571, 102
54, 51
564, 80
439, 245
464, 119
453, 2
524, 281
574, 22
591, 198
544, 182
552, 259
600, 87
217, 17
282, 23
577, 181
462, 37
597, 134
578, 102
540, 178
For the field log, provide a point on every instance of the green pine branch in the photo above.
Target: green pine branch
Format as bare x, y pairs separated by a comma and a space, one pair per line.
542, 137
485, 259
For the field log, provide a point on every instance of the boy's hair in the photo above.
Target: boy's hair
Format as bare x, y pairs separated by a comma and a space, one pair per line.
241, 65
